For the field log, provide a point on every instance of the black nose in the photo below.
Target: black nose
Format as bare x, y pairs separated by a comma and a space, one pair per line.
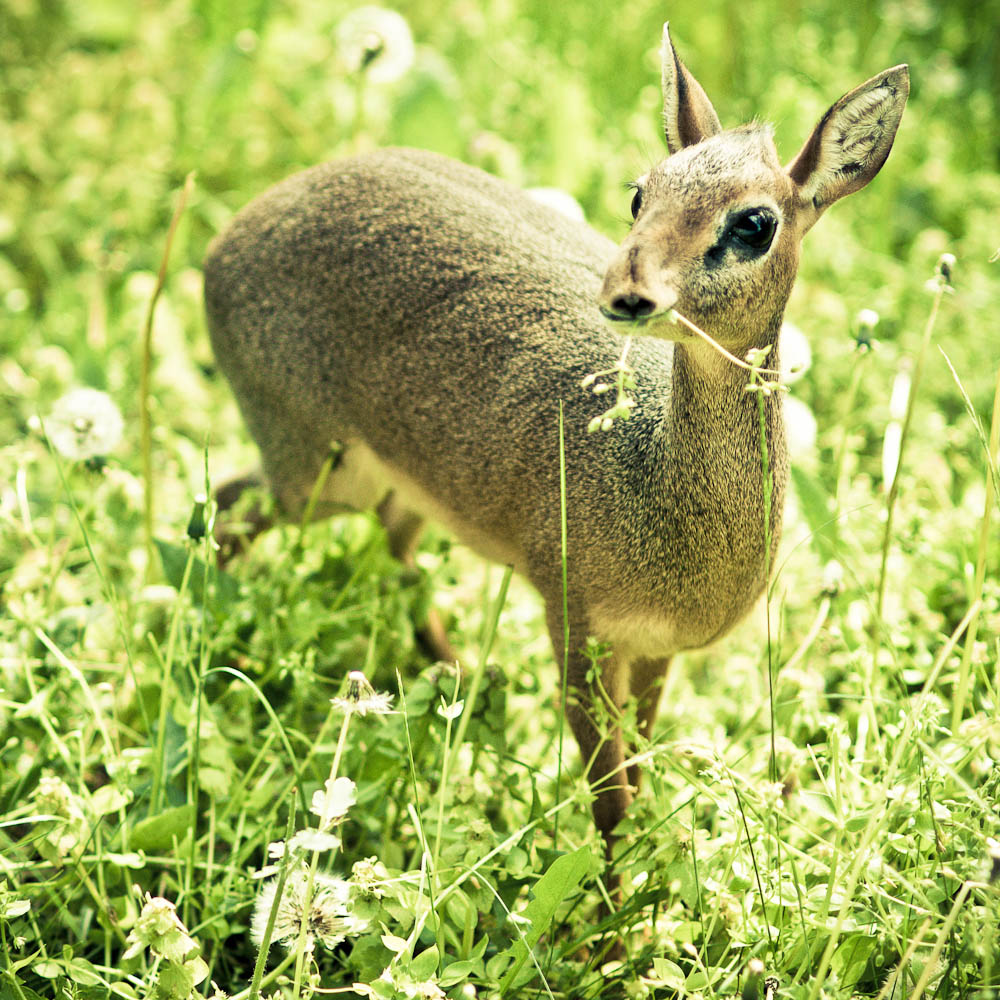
631, 306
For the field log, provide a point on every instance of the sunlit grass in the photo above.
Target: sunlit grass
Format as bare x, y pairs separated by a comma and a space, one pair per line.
163, 724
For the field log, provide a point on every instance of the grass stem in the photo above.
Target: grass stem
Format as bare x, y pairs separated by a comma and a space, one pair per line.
145, 377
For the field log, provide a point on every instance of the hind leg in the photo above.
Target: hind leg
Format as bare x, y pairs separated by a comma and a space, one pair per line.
645, 685
290, 485
299, 460
234, 533
403, 528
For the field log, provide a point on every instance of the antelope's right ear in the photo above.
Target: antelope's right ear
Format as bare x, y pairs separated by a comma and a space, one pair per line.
688, 115
851, 142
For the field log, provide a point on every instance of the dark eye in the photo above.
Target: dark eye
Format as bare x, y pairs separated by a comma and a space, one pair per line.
636, 202
754, 229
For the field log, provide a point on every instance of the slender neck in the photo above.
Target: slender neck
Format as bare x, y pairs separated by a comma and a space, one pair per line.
717, 421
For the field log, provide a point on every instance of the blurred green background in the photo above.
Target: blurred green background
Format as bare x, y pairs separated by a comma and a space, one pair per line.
108, 105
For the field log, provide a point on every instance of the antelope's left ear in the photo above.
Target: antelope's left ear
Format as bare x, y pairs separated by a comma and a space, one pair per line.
851, 142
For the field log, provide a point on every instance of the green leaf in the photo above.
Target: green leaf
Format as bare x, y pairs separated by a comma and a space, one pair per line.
130, 860
851, 958
814, 502
457, 972
174, 982
175, 558
157, 833
108, 799
667, 973
80, 971
563, 876
18, 991
47, 969
425, 965
858, 822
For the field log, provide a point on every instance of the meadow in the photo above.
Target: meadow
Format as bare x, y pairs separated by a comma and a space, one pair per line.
193, 761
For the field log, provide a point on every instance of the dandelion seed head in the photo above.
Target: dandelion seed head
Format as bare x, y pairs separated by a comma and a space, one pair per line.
801, 428
361, 698
375, 42
867, 318
795, 354
328, 920
83, 424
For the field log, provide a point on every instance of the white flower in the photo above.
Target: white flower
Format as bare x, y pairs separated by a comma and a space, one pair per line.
562, 201
328, 919
314, 840
83, 424
867, 319
450, 712
332, 802
427, 990
800, 427
159, 929
369, 875
402, 983
794, 353
376, 42
361, 698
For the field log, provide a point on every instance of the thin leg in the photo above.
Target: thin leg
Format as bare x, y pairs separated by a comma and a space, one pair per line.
403, 528
646, 684
596, 726
234, 535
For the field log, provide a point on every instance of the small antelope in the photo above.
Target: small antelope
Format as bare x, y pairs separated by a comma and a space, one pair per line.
430, 318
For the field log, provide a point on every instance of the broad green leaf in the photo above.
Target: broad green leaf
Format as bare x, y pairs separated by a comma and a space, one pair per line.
562, 877
851, 958
157, 833
457, 972
425, 965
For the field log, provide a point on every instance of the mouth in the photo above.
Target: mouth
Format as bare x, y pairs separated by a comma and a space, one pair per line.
665, 317
619, 320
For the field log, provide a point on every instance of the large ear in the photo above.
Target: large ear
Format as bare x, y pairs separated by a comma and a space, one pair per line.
688, 115
851, 142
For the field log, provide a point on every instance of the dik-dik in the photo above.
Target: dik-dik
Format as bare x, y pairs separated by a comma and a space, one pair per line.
430, 319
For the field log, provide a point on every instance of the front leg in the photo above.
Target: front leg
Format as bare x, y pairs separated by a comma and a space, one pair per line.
594, 711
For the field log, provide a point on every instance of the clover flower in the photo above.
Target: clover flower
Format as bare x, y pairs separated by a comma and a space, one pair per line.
375, 42
159, 929
361, 698
369, 875
329, 919
83, 424
403, 985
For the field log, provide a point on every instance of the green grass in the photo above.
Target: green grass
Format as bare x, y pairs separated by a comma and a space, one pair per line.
821, 796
